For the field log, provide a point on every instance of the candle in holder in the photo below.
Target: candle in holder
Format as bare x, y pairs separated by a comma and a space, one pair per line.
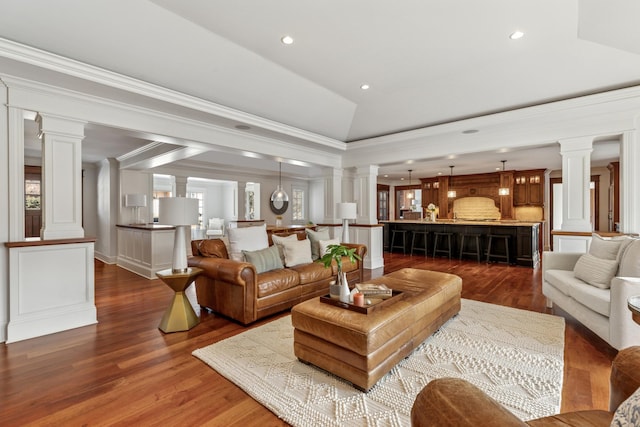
358, 299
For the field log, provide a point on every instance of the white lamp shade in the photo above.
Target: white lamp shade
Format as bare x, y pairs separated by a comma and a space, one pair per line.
178, 211
135, 200
347, 211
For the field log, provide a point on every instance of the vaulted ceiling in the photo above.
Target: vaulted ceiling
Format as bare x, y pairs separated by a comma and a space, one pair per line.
426, 62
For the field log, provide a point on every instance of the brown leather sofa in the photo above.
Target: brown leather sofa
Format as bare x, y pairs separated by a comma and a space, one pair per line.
234, 289
456, 402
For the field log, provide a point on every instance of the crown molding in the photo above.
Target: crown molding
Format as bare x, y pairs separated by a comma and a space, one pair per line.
50, 61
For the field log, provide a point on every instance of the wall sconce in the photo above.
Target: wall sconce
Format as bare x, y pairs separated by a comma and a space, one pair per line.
451, 193
503, 191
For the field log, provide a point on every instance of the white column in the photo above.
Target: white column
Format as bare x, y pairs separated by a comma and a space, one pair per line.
61, 177
366, 192
181, 186
332, 194
16, 174
240, 201
5, 224
630, 181
576, 175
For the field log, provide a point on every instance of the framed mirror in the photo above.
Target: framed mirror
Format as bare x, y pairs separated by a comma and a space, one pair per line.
278, 207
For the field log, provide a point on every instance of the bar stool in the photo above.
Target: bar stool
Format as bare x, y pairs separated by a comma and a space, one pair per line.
490, 247
424, 235
437, 238
403, 234
472, 238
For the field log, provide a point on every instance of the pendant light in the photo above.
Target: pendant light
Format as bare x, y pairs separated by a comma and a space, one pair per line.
451, 193
410, 194
503, 191
279, 195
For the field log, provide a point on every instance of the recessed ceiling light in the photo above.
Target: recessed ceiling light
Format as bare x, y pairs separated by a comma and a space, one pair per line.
364, 86
469, 131
243, 127
516, 35
287, 40
386, 176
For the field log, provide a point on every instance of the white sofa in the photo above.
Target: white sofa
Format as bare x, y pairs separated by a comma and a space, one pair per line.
601, 307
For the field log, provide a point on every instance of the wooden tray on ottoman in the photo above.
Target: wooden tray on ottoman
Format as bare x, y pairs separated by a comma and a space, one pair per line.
376, 303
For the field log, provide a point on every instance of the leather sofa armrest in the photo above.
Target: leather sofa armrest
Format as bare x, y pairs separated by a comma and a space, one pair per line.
361, 251
559, 260
455, 402
225, 270
625, 376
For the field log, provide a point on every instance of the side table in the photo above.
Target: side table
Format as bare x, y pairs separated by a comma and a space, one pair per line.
634, 305
180, 315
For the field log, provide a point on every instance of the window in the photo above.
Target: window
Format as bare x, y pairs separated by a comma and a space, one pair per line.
200, 204
298, 204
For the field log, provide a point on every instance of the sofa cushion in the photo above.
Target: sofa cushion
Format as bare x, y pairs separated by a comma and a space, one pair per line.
248, 239
278, 241
562, 280
264, 259
312, 272
274, 281
315, 237
347, 265
213, 248
596, 271
596, 299
324, 244
297, 252
630, 260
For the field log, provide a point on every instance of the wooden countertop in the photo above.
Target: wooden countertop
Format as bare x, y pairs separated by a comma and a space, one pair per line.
511, 223
150, 227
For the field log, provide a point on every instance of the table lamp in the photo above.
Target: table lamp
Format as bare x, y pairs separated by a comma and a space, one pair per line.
180, 212
136, 201
346, 211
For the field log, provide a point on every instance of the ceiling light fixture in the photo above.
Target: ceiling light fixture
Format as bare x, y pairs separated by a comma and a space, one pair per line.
516, 35
503, 191
364, 86
287, 40
451, 193
470, 131
279, 195
410, 194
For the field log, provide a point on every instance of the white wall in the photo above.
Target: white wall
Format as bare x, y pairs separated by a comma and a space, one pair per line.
107, 209
89, 201
134, 182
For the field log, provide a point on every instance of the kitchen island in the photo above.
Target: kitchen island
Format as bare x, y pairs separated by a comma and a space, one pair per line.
524, 236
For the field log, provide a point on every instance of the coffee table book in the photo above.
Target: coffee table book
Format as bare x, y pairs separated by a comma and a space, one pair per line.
376, 303
374, 290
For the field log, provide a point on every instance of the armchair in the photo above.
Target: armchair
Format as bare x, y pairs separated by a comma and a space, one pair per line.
456, 402
215, 228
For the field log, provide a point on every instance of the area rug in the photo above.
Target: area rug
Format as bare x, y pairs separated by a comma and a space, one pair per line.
515, 356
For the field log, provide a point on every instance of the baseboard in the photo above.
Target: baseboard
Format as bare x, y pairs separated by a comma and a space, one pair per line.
50, 322
107, 259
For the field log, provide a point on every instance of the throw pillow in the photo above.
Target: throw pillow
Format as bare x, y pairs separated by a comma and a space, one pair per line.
248, 239
278, 242
628, 413
297, 252
315, 237
595, 271
324, 244
604, 248
264, 259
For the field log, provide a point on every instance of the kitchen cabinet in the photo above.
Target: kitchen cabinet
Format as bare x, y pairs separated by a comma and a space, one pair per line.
528, 188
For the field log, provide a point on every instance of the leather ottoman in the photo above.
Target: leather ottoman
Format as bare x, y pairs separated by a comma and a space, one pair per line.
362, 348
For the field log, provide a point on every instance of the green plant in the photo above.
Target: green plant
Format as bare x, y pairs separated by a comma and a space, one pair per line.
336, 252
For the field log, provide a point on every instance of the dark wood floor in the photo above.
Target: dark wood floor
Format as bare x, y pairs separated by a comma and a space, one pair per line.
125, 371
